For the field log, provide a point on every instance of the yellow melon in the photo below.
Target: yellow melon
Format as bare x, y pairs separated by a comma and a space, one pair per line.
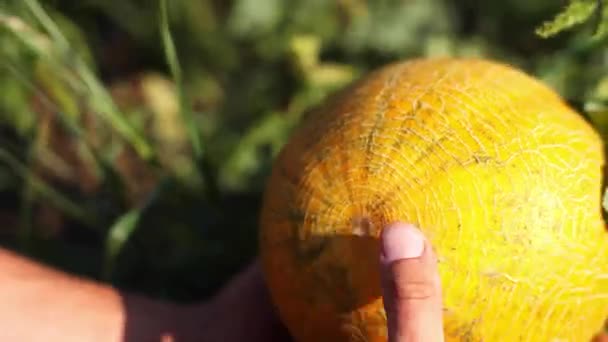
503, 177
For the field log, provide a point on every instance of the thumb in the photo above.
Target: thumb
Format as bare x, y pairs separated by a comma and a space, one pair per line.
411, 285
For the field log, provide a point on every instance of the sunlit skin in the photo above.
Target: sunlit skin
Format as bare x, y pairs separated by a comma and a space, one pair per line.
40, 303
502, 175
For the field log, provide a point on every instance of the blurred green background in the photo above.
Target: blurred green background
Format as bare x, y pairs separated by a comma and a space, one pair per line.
136, 136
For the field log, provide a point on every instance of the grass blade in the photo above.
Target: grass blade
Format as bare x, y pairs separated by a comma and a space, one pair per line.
173, 62
116, 238
122, 229
98, 97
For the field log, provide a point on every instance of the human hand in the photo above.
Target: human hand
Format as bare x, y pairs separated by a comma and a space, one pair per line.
243, 311
410, 283
411, 286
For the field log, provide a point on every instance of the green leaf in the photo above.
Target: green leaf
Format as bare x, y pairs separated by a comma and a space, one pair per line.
124, 227
396, 28
304, 51
601, 25
117, 236
577, 12
250, 18
271, 130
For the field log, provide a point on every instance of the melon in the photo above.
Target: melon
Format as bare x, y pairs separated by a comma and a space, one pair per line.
501, 175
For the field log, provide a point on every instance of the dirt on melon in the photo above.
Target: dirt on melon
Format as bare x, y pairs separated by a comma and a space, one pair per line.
503, 177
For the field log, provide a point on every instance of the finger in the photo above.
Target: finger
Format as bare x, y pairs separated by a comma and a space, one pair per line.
411, 285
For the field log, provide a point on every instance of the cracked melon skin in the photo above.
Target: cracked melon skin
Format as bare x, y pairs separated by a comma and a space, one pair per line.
500, 174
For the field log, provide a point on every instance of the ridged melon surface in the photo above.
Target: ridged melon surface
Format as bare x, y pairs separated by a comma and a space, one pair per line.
502, 176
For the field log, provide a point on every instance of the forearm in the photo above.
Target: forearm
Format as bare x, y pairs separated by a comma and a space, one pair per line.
38, 303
